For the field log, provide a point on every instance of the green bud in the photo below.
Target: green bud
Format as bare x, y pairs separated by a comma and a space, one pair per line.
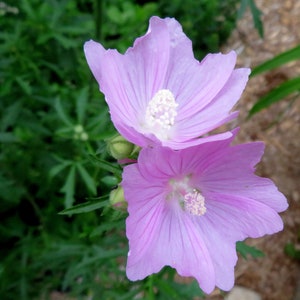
78, 128
117, 199
120, 148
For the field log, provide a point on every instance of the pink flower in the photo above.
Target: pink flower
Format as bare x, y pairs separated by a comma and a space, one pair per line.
188, 208
158, 93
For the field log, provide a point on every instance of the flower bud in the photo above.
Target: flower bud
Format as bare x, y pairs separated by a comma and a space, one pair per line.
119, 148
117, 199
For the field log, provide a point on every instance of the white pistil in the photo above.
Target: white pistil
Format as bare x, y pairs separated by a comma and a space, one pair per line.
161, 113
194, 203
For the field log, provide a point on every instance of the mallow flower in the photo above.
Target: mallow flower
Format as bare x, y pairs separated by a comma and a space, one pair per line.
188, 208
159, 94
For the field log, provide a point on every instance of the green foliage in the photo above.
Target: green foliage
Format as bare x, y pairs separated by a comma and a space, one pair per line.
256, 14
277, 61
246, 250
208, 22
291, 251
290, 86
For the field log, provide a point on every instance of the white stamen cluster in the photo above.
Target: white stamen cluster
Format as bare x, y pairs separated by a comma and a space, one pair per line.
194, 203
161, 111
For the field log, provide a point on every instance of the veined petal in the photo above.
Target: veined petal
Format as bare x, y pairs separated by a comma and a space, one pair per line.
240, 217
129, 81
216, 113
224, 250
196, 84
177, 244
159, 90
182, 214
233, 174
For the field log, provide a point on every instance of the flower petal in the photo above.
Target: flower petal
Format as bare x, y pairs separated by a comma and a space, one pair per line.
238, 217
222, 249
172, 240
129, 81
196, 84
233, 174
216, 112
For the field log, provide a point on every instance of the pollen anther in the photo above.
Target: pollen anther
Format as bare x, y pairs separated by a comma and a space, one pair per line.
194, 203
161, 112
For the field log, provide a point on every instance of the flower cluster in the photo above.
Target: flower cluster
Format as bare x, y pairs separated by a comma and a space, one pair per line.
191, 195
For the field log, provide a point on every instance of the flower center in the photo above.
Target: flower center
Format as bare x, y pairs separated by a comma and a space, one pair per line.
194, 203
190, 199
161, 113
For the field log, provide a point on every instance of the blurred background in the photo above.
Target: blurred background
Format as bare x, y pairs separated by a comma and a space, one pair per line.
54, 127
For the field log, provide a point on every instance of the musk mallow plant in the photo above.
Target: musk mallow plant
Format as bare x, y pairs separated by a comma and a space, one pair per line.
188, 208
159, 94
190, 195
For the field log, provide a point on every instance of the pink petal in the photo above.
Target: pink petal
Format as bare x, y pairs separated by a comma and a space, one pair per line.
215, 113
173, 240
222, 250
237, 217
233, 174
196, 84
129, 81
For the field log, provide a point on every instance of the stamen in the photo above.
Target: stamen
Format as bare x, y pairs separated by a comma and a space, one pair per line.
194, 203
161, 112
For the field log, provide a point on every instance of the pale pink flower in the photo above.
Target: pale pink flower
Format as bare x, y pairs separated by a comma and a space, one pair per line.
188, 208
158, 93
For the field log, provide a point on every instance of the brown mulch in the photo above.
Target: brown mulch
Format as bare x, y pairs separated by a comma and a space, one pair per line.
275, 276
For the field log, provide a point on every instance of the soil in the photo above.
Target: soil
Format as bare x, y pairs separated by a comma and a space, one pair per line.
275, 276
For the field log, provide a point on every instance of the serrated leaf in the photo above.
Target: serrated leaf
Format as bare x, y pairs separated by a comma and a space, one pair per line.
277, 94
283, 58
86, 207
88, 180
246, 250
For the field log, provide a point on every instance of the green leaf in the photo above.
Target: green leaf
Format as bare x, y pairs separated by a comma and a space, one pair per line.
11, 115
61, 113
242, 9
69, 187
58, 168
24, 85
110, 167
283, 58
277, 94
256, 13
81, 104
291, 250
166, 289
246, 250
86, 206
88, 180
